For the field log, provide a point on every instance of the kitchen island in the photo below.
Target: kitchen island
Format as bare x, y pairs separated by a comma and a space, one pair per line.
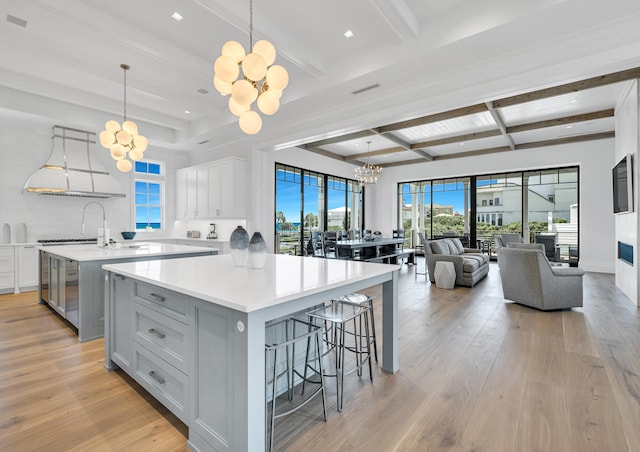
72, 281
192, 332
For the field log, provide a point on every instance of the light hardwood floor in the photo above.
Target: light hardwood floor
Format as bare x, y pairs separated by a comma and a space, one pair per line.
477, 373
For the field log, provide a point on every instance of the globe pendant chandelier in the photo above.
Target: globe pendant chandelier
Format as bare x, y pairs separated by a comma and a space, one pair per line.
368, 174
250, 78
123, 141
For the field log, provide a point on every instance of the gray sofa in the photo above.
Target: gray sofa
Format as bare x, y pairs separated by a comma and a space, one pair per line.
470, 264
529, 279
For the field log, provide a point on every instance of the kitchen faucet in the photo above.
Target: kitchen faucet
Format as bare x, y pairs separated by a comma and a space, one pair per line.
105, 239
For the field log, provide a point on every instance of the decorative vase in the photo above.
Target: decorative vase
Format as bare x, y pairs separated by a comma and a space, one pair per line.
6, 234
239, 246
257, 251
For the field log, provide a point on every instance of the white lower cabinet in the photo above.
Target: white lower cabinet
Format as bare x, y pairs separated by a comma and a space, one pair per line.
162, 380
7, 269
149, 331
183, 351
27, 264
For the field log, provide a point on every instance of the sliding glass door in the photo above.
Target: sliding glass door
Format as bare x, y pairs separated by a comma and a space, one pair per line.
288, 209
307, 201
552, 211
540, 205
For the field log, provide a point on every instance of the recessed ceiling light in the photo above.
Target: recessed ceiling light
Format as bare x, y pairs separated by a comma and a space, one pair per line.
187, 112
573, 101
177, 16
348, 34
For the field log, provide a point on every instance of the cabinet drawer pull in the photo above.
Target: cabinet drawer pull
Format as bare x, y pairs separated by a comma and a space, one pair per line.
156, 297
157, 333
156, 377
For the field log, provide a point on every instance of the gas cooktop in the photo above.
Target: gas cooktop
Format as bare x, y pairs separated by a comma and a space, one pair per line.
47, 242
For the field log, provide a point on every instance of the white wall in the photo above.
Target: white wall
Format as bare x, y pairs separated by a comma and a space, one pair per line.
26, 145
626, 225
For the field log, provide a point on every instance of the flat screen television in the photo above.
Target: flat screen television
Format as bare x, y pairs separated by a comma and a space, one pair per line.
623, 185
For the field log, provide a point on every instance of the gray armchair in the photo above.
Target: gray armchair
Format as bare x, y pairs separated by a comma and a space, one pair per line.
529, 279
502, 239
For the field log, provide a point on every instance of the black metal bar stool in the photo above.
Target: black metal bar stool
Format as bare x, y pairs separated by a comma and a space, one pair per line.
337, 315
288, 332
360, 299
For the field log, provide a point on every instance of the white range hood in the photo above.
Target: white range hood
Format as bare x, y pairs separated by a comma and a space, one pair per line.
69, 170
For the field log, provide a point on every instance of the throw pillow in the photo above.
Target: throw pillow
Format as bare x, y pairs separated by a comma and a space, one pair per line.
458, 245
440, 247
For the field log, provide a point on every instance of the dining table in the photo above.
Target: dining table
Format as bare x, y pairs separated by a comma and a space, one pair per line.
368, 250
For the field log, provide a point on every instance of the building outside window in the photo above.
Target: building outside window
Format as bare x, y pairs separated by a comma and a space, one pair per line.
148, 195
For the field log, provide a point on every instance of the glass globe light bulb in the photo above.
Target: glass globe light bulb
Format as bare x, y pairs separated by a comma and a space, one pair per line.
140, 142
226, 69
130, 127
223, 88
233, 50
275, 92
112, 126
118, 152
250, 122
266, 50
135, 155
268, 103
124, 165
123, 137
236, 108
107, 139
254, 67
277, 77
243, 92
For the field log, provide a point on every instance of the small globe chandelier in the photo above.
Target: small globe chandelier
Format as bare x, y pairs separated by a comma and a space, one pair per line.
260, 81
368, 174
123, 141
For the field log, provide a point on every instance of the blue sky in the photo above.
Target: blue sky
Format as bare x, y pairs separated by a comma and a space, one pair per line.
288, 196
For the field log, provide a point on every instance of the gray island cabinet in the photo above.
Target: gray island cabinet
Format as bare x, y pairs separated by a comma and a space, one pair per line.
192, 333
72, 280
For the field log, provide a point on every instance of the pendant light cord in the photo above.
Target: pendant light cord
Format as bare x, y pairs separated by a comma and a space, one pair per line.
124, 68
250, 25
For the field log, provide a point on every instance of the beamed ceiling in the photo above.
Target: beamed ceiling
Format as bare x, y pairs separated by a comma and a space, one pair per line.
569, 113
421, 80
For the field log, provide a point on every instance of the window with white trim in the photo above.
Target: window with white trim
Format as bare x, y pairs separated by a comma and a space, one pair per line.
149, 195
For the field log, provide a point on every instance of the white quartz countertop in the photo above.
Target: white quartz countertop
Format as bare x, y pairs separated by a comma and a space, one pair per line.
245, 289
83, 253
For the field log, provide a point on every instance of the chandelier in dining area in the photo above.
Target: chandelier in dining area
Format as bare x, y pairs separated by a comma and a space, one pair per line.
368, 173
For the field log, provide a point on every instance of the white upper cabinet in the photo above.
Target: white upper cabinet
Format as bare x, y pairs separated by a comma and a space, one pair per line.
213, 190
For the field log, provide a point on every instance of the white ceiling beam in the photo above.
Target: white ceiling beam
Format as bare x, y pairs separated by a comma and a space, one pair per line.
399, 17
